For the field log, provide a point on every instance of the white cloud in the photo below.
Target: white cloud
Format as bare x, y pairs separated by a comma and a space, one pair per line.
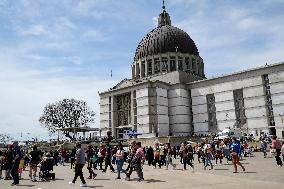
155, 21
32, 30
94, 35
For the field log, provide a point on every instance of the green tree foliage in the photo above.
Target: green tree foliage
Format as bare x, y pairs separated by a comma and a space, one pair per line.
65, 114
4, 138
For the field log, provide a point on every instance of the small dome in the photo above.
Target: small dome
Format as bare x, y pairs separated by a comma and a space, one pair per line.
163, 39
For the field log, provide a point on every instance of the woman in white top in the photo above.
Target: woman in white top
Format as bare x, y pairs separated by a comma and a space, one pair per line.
119, 160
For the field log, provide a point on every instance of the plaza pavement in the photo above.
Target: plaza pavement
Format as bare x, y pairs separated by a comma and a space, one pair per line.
260, 173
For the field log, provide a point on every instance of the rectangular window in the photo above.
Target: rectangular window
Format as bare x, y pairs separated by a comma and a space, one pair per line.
173, 64
164, 64
157, 65
143, 69
268, 104
180, 67
186, 64
239, 108
211, 110
149, 67
138, 70
193, 66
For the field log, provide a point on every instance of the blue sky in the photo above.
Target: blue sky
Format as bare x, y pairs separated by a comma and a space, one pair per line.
50, 50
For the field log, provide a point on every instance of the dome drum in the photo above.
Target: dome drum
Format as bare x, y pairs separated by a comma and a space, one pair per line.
168, 62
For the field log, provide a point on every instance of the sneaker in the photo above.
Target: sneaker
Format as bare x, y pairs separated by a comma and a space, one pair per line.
83, 185
118, 178
71, 183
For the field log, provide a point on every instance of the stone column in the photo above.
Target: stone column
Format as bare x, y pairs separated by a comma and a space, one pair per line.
140, 65
153, 65
146, 67
113, 116
132, 110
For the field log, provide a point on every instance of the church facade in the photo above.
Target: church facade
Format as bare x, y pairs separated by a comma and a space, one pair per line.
169, 95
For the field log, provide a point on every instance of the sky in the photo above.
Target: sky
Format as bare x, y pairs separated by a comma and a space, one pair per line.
51, 50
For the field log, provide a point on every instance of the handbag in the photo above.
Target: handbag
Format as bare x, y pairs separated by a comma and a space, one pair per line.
273, 151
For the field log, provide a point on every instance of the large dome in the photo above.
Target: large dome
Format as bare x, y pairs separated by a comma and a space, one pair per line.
163, 39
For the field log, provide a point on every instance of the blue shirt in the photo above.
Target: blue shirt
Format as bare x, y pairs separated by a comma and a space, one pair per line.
235, 147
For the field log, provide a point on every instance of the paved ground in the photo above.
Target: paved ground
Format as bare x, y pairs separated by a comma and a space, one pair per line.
260, 173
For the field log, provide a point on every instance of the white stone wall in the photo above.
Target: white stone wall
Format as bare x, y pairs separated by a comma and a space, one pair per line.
104, 112
142, 99
162, 111
224, 102
179, 119
277, 93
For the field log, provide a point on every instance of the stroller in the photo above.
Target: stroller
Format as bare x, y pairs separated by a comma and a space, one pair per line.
46, 168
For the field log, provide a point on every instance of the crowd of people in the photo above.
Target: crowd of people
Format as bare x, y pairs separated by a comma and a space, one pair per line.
133, 157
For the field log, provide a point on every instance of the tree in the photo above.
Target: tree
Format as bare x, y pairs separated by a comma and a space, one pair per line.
4, 138
66, 114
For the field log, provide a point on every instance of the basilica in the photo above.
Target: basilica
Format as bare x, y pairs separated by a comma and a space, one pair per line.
169, 94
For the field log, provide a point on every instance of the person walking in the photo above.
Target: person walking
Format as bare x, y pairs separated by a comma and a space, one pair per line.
137, 161
35, 156
79, 164
264, 147
90, 154
185, 157
119, 157
157, 156
108, 157
235, 150
72, 157
8, 162
169, 153
16, 162
101, 155
276, 144
150, 155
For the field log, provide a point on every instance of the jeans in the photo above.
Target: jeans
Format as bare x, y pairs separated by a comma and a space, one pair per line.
119, 164
169, 161
207, 163
79, 172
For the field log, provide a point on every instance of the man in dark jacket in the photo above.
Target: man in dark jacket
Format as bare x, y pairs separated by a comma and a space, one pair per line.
16, 162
